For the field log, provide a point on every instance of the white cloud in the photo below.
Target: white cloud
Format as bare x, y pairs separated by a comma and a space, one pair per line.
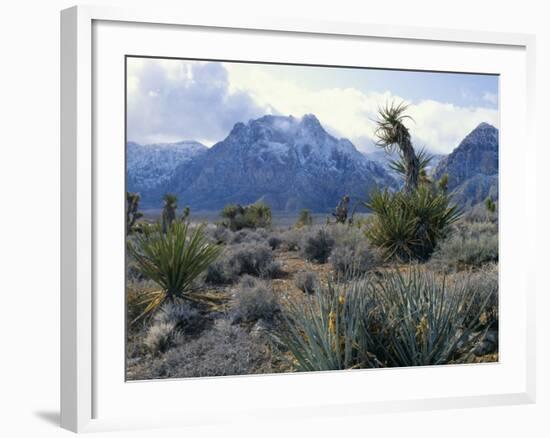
490, 98
171, 100
350, 113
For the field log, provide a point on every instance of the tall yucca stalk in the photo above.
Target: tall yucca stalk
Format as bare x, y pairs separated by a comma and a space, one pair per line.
169, 211
173, 260
391, 132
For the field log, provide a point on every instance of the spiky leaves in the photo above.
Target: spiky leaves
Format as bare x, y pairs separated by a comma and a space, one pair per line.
391, 132
169, 210
132, 213
400, 167
407, 226
392, 319
327, 331
237, 217
427, 321
173, 260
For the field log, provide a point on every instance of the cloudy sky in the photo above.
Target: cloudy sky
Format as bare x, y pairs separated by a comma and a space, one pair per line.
173, 100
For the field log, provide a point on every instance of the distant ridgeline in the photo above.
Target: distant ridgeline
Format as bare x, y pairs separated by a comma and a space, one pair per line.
292, 164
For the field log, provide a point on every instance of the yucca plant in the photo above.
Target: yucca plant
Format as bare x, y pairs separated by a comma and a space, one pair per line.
257, 215
169, 210
328, 330
132, 213
304, 218
173, 260
391, 133
400, 166
230, 213
427, 320
407, 226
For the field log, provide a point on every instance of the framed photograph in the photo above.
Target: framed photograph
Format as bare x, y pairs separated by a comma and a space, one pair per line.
264, 208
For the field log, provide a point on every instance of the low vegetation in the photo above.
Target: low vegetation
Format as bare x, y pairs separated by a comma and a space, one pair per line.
413, 282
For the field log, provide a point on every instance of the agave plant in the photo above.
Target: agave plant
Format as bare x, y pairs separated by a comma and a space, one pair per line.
328, 330
173, 260
391, 132
391, 319
427, 321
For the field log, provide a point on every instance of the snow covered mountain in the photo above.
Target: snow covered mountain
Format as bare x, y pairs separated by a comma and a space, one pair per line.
473, 167
150, 166
287, 162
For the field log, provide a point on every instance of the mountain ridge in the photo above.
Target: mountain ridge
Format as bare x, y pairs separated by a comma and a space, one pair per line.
472, 166
293, 163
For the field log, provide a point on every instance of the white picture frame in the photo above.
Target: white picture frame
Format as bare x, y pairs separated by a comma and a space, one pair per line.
83, 175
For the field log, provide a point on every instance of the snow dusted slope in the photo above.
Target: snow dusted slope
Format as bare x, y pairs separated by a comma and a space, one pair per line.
150, 166
289, 163
473, 167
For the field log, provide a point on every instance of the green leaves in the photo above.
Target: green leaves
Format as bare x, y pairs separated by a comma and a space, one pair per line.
407, 226
256, 215
173, 260
427, 321
389, 319
389, 125
327, 331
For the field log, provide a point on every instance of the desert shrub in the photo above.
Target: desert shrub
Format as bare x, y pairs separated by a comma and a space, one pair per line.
237, 217
246, 235
219, 234
408, 225
160, 337
307, 281
292, 239
483, 283
254, 300
471, 245
480, 213
354, 260
317, 245
174, 260
218, 273
272, 270
275, 241
250, 258
181, 316
224, 350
